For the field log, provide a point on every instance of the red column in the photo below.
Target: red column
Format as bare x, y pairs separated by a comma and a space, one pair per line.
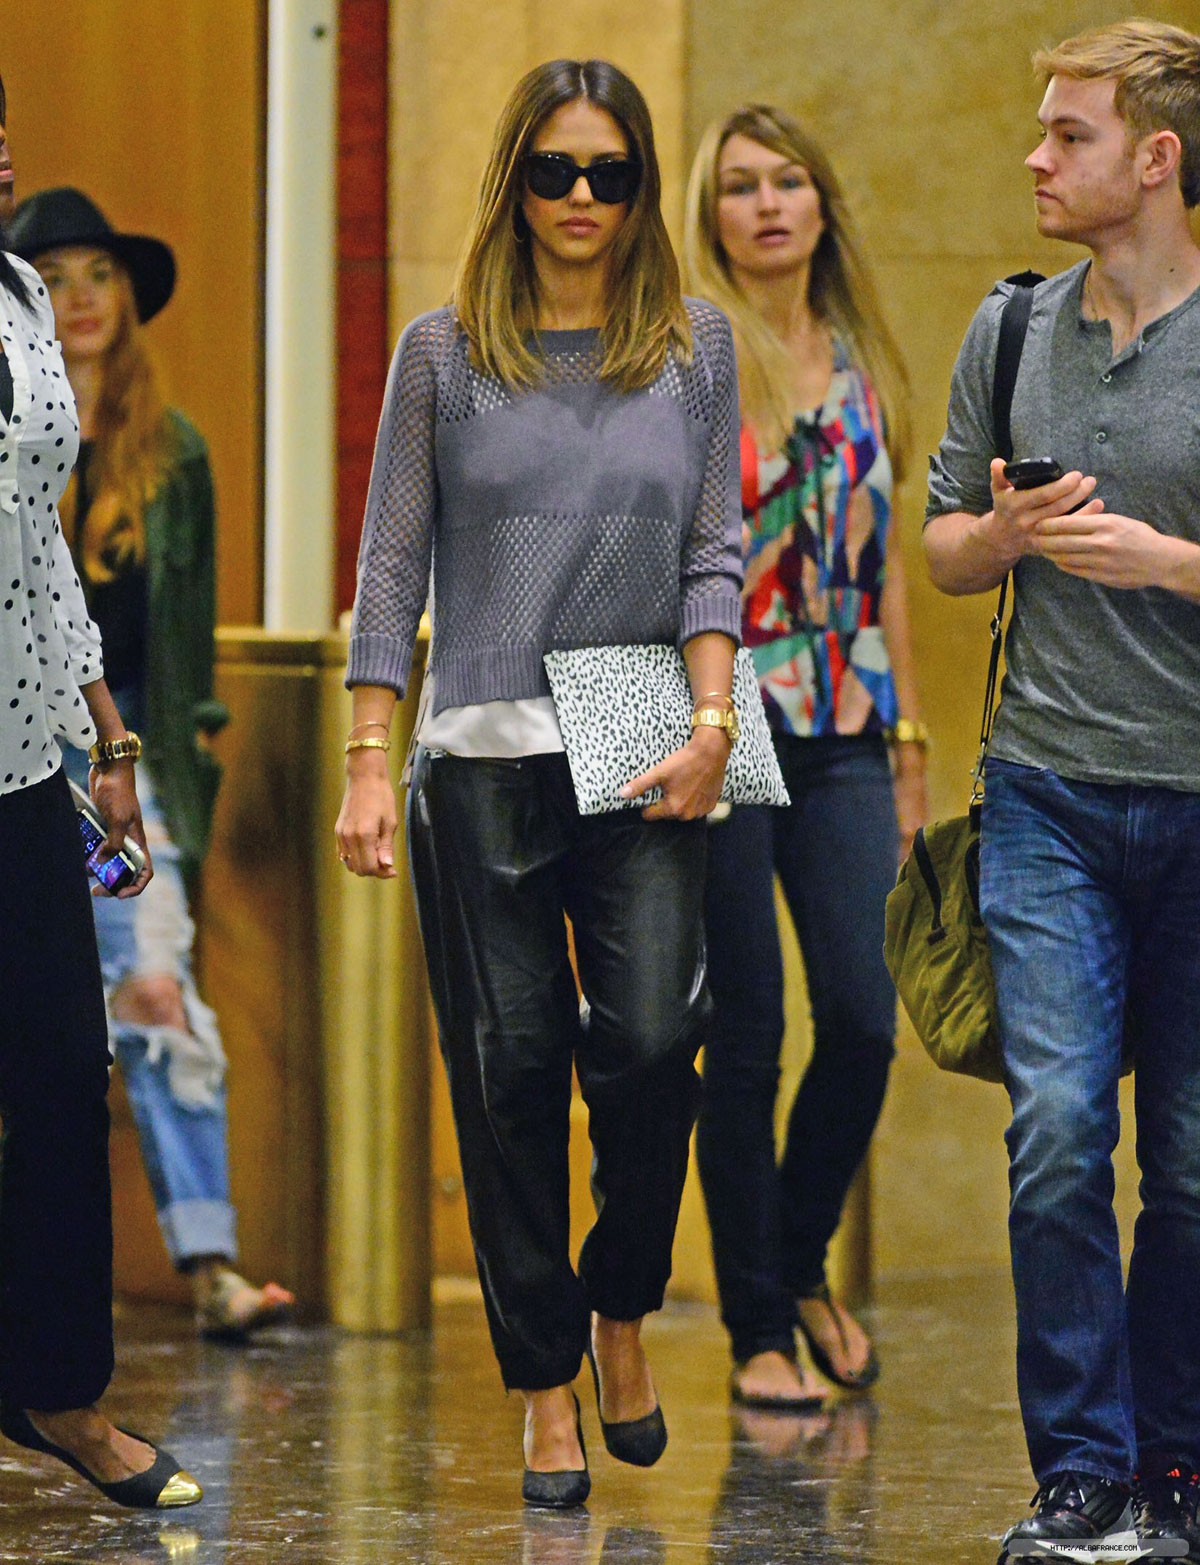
362, 241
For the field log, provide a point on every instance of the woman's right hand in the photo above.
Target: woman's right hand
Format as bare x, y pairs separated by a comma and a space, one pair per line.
366, 823
113, 791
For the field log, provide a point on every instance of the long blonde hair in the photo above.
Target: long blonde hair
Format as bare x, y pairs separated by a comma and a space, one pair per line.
132, 452
841, 291
495, 286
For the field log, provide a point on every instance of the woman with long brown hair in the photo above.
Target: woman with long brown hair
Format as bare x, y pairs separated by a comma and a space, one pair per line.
560, 446
138, 515
824, 428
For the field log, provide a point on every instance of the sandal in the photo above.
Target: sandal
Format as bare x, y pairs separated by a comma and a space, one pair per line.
761, 1402
854, 1380
217, 1320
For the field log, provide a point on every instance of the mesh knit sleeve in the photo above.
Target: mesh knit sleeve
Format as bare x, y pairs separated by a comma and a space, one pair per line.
397, 537
711, 563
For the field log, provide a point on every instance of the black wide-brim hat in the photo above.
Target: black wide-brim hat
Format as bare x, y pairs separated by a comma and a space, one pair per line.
54, 219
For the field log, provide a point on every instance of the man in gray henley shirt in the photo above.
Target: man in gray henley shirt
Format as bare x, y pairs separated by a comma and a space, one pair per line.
1090, 884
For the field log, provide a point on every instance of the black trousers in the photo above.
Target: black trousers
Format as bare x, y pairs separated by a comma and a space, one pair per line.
499, 853
56, 1346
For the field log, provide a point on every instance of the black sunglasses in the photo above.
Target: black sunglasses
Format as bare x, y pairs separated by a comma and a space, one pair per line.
552, 175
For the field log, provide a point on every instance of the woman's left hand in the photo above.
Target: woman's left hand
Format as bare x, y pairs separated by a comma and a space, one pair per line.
115, 796
911, 795
690, 778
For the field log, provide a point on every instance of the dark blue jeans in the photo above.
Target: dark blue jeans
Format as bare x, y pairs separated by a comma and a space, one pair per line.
834, 849
1091, 897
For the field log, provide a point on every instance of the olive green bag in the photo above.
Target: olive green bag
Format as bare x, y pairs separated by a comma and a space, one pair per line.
935, 945
936, 950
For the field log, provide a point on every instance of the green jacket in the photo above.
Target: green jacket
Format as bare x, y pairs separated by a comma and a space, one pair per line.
180, 542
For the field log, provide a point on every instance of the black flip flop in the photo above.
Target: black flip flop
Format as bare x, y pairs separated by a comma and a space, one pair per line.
860, 1379
762, 1403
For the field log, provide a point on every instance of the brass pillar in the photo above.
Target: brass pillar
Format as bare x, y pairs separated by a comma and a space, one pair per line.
322, 996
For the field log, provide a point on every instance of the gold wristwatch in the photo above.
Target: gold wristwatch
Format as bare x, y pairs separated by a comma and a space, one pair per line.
909, 730
709, 717
127, 749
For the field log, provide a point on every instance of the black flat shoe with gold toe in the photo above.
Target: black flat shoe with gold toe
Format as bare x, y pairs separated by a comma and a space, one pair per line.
163, 1486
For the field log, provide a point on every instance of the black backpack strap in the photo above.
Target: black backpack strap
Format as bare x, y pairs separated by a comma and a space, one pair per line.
1014, 323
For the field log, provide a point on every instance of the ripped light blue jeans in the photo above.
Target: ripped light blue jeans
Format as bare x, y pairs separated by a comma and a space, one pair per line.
175, 1080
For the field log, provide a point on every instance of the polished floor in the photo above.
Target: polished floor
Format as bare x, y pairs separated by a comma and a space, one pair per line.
314, 1447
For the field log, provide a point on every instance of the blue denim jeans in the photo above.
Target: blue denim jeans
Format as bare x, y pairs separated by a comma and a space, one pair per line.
834, 850
174, 1079
1091, 898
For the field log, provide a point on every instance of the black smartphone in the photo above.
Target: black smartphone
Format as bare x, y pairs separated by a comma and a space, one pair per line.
1033, 472
124, 866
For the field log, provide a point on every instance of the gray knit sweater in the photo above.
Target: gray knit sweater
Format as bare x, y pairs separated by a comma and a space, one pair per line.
566, 516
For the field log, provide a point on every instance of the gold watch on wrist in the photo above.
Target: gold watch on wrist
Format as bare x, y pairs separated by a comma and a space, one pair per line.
106, 750
909, 730
709, 717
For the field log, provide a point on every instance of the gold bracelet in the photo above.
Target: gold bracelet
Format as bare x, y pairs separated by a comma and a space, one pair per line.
367, 744
357, 726
712, 695
105, 751
909, 730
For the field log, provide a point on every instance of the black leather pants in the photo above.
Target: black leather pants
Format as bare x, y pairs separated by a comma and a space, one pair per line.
499, 853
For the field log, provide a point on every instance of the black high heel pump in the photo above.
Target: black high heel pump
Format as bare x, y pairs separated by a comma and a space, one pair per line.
559, 1490
638, 1441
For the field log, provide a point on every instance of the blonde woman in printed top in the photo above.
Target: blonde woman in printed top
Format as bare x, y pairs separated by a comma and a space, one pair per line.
561, 447
824, 424
56, 1347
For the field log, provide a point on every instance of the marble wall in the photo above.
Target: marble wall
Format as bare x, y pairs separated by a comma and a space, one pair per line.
452, 72
927, 110
157, 109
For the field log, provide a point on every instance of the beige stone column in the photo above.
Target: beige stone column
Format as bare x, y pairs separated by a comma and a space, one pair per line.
453, 65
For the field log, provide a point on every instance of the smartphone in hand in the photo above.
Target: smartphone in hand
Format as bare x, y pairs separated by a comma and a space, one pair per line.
1033, 472
123, 867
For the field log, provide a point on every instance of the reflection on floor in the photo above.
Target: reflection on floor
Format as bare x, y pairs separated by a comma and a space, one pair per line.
315, 1447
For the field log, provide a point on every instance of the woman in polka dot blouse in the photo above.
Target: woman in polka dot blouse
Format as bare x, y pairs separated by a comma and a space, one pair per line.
56, 1348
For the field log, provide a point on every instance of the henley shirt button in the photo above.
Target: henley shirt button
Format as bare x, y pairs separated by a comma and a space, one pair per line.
1101, 436
1106, 377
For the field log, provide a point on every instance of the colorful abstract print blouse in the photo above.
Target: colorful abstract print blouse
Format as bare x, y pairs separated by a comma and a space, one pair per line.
817, 516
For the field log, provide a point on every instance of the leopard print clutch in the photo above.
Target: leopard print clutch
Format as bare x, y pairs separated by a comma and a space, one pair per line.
623, 709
